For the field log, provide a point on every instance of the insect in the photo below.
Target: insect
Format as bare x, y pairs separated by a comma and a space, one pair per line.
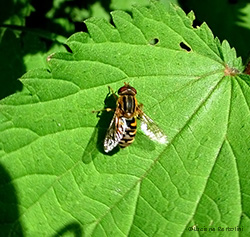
122, 128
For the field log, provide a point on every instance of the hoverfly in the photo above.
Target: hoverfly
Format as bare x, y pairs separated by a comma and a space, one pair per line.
122, 128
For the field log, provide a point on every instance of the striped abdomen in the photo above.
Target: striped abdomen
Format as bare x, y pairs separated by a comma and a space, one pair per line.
129, 132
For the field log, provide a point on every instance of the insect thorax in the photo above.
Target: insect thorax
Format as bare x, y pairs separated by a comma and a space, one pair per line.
127, 105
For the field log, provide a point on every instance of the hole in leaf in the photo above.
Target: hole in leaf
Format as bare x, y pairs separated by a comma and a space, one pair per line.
68, 48
185, 47
111, 22
154, 41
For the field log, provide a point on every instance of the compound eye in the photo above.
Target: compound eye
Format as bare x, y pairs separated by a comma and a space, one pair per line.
122, 89
127, 90
133, 89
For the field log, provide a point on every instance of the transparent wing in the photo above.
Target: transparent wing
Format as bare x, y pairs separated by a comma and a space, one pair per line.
149, 127
113, 135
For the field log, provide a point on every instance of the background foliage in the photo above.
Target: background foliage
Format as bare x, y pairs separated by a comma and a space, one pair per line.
55, 178
32, 30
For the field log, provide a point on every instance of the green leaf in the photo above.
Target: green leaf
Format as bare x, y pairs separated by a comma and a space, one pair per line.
57, 180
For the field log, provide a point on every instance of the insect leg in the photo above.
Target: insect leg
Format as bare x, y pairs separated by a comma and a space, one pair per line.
106, 109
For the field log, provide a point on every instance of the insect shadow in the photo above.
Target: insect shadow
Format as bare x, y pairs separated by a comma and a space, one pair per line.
95, 144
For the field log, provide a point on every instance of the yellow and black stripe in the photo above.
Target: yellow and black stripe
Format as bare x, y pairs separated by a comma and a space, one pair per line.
129, 134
